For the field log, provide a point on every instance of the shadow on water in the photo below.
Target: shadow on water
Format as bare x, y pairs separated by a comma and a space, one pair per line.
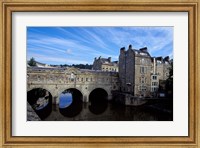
41, 102
75, 106
97, 109
98, 101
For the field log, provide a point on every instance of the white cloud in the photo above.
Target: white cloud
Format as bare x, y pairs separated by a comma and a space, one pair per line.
68, 51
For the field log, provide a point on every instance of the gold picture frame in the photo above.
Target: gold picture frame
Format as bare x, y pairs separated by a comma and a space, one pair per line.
9, 6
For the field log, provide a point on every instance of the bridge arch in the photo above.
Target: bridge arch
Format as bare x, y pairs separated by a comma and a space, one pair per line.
76, 93
41, 101
98, 94
75, 107
98, 99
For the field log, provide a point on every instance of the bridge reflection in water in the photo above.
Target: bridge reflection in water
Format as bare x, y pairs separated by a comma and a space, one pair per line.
109, 112
41, 102
71, 108
73, 103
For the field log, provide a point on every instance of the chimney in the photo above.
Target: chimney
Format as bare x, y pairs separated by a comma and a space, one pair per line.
122, 50
109, 59
143, 49
130, 46
166, 58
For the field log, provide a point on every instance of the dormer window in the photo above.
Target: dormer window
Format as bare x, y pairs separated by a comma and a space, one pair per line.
143, 53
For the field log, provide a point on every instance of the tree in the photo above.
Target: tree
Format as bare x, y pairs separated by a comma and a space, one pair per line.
32, 62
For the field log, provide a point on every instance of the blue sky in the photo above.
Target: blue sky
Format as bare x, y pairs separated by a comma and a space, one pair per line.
80, 45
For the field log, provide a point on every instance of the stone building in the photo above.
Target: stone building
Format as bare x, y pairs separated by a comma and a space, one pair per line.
160, 71
104, 64
139, 73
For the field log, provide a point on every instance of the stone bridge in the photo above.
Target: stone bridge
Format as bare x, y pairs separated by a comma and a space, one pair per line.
57, 80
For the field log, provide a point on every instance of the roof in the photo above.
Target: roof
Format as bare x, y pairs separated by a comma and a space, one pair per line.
103, 60
142, 51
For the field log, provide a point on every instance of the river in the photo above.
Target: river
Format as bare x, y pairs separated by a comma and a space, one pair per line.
154, 111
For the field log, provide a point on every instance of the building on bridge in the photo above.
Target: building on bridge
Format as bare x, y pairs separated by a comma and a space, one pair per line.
105, 64
139, 73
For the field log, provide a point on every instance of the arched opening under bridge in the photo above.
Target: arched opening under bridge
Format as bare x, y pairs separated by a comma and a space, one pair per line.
41, 101
70, 103
98, 99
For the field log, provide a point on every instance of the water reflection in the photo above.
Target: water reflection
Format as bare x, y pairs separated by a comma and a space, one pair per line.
70, 103
65, 100
98, 107
113, 112
41, 101
98, 101
72, 110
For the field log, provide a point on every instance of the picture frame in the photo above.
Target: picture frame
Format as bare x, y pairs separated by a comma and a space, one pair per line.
10, 6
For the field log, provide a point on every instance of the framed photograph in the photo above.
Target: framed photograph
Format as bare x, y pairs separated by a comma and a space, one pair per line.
107, 74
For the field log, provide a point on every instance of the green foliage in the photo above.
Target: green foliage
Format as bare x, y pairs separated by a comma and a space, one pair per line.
32, 62
81, 66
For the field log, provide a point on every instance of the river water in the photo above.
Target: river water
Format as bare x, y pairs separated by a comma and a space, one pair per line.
154, 111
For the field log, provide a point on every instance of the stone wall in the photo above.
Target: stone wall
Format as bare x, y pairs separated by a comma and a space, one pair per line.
130, 70
122, 69
142, 75
31, 114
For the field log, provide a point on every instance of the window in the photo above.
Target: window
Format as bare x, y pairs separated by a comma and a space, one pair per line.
142, 80
72, 76
90, 79
142, 61
143, 53
86, 79
154, 83
143, 70
142, 88
153, 89
154, 77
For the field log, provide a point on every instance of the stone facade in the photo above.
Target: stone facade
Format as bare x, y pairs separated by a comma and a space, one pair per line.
139, 73
31, 114
60, 79
142, 72
104, 64
126, 69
